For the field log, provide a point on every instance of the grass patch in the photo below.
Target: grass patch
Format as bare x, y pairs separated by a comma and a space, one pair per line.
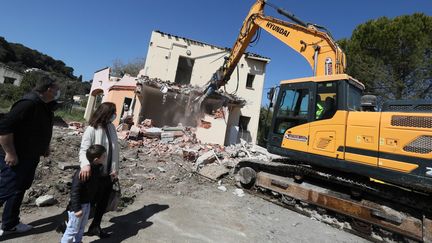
66, 114
71, 115
5, 105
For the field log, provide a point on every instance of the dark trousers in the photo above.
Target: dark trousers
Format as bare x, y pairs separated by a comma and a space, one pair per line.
14, 181
102, 200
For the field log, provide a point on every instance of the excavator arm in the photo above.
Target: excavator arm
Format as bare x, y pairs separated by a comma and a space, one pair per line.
316, 46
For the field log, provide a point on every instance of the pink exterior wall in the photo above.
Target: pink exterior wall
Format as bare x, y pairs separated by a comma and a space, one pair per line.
103, 80
112, 89
117, 97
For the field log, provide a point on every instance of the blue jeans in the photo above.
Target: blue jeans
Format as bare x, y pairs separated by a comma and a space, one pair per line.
14, 181
75, 226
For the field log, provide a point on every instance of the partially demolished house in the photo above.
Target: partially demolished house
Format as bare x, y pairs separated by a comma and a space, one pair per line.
168, 90
9, 76
120, 91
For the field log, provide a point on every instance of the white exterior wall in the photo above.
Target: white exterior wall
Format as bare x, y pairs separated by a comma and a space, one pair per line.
162, 60
5, 71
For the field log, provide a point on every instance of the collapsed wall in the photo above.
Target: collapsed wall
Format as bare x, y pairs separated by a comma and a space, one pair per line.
171, 104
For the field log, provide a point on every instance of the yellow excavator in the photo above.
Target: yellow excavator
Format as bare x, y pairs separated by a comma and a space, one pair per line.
325, 122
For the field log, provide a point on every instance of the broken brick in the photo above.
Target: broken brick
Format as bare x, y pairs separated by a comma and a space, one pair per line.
147, 123
190, 155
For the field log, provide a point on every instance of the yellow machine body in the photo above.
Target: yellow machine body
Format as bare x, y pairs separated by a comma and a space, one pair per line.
319, 119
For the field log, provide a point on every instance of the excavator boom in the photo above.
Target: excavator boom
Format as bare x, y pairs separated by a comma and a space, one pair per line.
321, 52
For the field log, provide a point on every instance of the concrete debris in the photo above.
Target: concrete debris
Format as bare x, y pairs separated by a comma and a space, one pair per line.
167, 137
230, 164
238, 192
74, 133
46, 200
122, 135
137, 187
178, 128
153, 132
241, 154
134, 132
217, 158
123, 127
258, 150
213, 171
206, 158
222, 188
67, 165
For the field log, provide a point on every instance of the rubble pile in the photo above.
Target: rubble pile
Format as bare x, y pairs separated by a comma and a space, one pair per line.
152, 158
192, 93
182, 140
167, 86
185, 89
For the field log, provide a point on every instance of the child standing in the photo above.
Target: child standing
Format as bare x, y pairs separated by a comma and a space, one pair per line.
82, 194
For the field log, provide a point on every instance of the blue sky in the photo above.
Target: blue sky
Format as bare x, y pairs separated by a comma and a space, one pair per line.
89, 35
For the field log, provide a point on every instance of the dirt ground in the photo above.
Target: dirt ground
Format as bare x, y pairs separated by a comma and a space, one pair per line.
205, 214
164, 201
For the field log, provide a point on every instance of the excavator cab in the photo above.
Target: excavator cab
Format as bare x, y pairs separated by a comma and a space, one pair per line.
306, 106
323, 120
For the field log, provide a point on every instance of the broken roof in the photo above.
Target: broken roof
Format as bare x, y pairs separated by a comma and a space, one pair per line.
187, 89
190, 41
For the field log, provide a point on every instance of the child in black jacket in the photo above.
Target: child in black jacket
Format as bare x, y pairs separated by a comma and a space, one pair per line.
82, 194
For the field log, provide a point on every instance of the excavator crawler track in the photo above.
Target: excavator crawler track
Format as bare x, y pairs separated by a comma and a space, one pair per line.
406, 200
394, 209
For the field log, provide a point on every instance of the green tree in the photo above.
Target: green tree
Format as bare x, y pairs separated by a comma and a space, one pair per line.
68, 87
392, 57
9, 92
6, 52
29, 82
20, 58
132, 68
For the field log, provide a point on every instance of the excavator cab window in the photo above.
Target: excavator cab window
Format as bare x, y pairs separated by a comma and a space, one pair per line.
326, 100
354, 95
292, 110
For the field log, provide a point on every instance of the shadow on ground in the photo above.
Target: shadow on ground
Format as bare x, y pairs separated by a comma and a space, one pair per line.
128, 225
40, 226
123, 227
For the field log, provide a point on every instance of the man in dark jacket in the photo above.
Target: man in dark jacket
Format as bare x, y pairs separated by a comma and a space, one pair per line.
82, 194
25, 135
